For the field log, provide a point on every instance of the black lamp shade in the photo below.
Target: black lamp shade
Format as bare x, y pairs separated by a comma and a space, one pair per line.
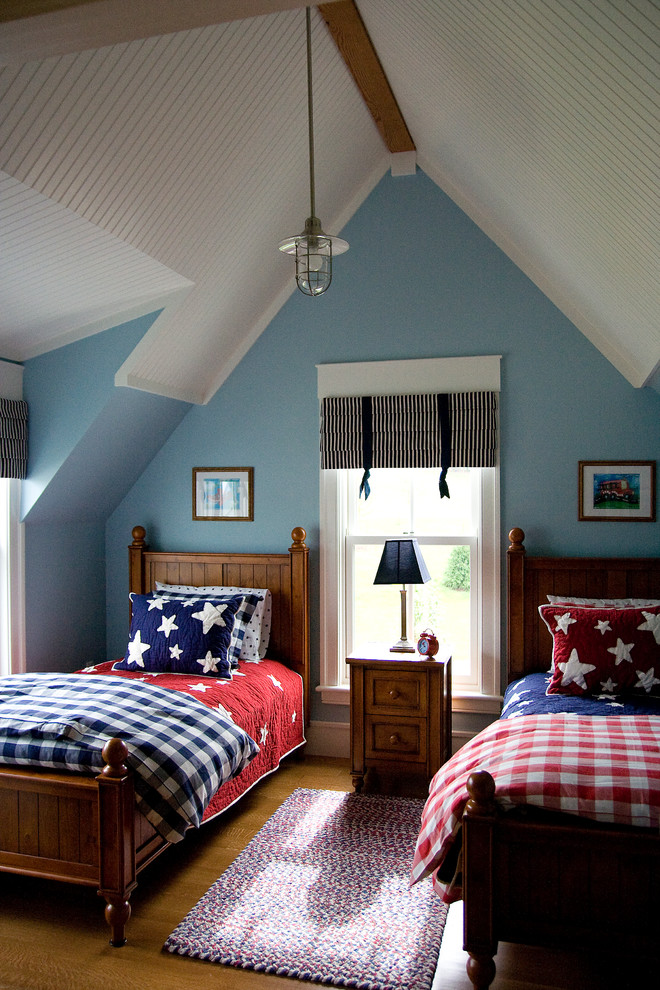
402, 563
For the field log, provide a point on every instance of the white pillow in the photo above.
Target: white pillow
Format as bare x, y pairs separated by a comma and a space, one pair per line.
604, 602
257, 631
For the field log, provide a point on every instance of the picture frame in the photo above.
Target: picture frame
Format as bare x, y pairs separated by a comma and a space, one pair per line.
616, 491
223, 494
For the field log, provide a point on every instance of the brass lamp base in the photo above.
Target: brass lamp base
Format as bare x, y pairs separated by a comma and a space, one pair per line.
403, 646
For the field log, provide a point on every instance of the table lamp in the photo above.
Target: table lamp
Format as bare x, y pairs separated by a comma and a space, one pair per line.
402, 563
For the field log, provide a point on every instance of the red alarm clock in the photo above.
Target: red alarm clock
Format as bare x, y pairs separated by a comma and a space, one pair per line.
427, 644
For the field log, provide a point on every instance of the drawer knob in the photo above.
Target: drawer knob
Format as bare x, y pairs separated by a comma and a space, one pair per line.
394, 694
394, 739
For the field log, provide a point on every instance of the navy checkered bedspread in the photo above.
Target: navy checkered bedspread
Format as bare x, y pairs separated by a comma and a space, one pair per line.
180, 750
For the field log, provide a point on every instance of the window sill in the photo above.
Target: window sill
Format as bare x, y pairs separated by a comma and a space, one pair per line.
333, 694
474, 703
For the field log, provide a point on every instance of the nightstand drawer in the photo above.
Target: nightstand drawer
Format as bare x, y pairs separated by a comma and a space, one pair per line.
389, 692
400, 739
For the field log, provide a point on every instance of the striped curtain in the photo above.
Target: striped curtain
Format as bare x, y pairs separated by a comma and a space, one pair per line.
454, 429
13, 438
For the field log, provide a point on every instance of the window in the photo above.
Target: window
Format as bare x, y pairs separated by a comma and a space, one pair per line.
352, 537
12, 622
458, 538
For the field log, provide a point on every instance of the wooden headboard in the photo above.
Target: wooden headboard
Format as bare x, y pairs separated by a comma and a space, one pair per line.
284, 574
531, 579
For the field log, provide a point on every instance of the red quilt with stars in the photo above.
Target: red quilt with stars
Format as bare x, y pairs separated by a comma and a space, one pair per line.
264, 697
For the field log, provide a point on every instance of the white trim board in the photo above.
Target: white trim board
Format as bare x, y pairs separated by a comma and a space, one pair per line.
416, 376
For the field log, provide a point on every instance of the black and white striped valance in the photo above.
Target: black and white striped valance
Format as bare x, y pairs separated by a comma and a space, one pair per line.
457, 429
13, 438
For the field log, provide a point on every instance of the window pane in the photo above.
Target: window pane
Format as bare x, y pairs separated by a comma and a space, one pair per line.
437, 516
443, 603
387, 510
377, 615
408, 500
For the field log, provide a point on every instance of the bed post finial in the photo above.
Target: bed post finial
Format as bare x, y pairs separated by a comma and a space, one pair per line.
115, 754
298, 536
481, 790
139, 534
517, 538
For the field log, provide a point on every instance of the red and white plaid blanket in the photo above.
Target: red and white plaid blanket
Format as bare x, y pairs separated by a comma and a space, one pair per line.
606, 769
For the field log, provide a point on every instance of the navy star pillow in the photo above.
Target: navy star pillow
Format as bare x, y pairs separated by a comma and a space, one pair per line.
181, 637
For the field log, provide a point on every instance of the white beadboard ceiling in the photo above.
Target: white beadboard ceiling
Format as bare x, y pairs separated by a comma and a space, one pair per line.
153, 155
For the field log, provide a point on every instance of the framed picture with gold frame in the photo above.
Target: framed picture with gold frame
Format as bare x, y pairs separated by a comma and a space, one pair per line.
616, 491
223, 494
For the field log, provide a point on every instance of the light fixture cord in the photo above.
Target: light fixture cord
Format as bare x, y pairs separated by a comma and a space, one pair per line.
310, 112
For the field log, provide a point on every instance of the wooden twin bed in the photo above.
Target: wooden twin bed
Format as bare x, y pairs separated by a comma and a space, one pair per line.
86, 830
556, 880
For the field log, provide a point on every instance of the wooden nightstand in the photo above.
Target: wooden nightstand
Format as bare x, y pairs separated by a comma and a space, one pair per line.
400, 714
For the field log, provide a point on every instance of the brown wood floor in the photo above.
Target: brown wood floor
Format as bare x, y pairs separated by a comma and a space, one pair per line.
53, 936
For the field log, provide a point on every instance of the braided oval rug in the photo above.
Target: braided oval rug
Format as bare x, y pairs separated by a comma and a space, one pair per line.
322, 894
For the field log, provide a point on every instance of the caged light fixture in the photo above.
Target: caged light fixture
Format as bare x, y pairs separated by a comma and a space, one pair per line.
313, 248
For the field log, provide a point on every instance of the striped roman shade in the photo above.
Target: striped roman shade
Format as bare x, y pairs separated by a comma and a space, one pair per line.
456, 429
13, 438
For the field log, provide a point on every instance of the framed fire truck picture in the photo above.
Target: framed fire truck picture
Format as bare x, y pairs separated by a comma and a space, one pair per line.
616, 491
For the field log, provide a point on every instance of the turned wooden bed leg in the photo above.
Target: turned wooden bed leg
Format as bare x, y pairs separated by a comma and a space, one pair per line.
478, 905
117, 913
116, 838
481, 971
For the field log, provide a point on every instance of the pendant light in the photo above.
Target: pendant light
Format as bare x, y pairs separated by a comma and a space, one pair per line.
313, 248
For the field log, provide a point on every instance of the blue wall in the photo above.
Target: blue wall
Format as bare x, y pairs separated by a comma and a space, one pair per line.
89, 443
420, 280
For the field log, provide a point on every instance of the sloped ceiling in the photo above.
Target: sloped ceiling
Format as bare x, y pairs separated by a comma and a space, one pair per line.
153, 153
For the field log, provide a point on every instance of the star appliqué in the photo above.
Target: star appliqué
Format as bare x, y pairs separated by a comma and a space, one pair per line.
209, 663
136, 648
167, 625
156, 602
652, 624
564, 621
211, 615
621, 651
574, 671
603, 626
646, 679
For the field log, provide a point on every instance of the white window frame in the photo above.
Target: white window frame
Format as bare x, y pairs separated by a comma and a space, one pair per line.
440, 374
12, 580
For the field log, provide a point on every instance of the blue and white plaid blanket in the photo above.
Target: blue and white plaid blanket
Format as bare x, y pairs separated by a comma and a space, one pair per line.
180, 749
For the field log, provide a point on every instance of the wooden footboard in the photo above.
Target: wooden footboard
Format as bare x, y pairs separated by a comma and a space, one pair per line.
553, 880
540, 879
64, 826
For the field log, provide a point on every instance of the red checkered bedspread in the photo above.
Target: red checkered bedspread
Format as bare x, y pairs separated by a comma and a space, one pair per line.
606, 769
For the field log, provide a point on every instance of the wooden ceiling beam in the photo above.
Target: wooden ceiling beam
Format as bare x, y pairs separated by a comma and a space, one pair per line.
352, 39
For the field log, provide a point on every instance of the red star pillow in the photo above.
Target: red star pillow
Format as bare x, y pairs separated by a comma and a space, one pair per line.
603, 650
